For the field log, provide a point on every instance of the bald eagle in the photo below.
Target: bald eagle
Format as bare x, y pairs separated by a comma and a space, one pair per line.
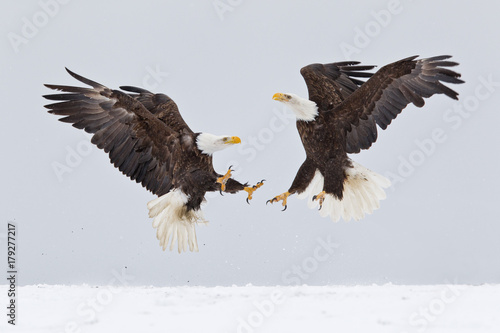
340, 118
148, 141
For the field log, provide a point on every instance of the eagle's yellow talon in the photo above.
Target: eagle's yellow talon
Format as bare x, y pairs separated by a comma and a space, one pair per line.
223, 180
320, 197
252, 189
277, 198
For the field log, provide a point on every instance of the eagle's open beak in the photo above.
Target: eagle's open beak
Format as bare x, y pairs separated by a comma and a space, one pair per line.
233, 140
279, 97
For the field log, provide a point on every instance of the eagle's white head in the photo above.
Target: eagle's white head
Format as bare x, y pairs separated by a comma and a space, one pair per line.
209, 143
304, 109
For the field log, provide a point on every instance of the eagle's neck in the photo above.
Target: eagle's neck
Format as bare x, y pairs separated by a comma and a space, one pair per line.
304, 109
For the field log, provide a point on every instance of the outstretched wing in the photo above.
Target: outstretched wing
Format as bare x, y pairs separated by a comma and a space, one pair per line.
162, 106
380, 99
139, 144
330, 84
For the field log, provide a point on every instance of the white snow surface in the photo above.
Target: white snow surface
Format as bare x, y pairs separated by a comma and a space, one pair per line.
387, 308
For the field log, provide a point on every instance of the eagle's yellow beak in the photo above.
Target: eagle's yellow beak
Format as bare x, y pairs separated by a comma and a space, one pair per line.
233, 140
279, 97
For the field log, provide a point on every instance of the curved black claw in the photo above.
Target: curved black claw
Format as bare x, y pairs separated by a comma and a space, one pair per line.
248, 202
259, 184
230, 168
268, 201
320, 201
220, 191
284, 208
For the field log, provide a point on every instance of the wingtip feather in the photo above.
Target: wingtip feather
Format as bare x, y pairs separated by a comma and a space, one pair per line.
83, 79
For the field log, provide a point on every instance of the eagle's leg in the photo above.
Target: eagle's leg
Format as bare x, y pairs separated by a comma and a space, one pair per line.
251, 189
304, 176
320, 197
282, 196
223, 180
333, 184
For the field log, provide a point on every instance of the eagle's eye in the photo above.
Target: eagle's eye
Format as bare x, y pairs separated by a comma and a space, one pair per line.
224, 139
288, 97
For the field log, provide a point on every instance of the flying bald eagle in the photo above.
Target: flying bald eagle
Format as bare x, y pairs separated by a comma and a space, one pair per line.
147, 140
340, 118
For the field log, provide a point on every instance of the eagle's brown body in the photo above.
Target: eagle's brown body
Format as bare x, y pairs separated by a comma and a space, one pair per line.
323, 154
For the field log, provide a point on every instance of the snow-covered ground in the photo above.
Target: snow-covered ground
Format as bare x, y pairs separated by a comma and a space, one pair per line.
365, 309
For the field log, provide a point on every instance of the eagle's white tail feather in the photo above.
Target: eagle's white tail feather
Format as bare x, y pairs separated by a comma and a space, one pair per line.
174, 223
363, 190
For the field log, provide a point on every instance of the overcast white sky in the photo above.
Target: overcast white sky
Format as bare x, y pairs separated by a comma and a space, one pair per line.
222, 61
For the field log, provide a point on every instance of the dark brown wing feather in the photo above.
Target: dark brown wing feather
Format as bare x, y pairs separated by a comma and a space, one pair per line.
330, 84
138, 143
380, 99
162, 106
